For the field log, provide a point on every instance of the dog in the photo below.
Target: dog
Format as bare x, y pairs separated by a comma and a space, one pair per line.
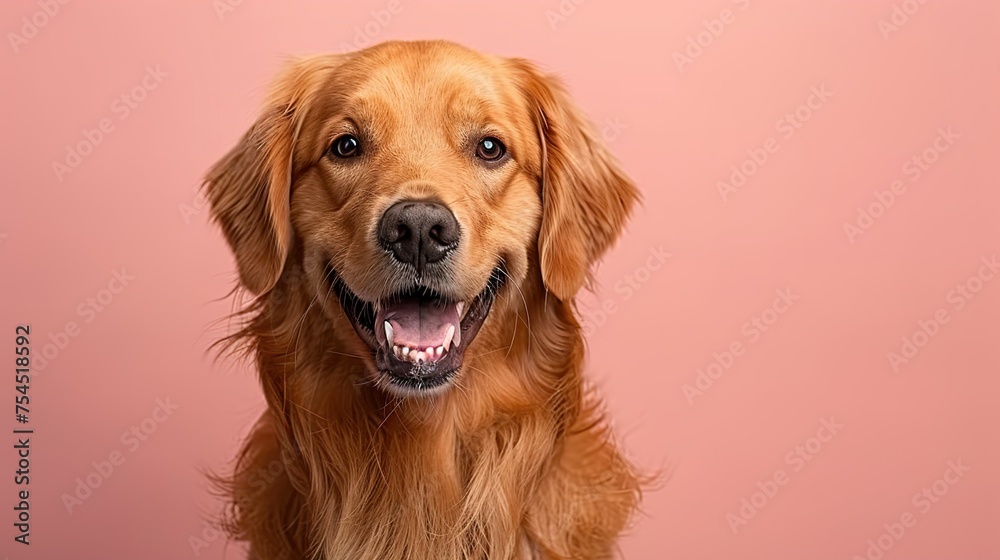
413, 222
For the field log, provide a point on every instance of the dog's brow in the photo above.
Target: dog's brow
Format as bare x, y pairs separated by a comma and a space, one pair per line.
364, 108
474, 113
358, 113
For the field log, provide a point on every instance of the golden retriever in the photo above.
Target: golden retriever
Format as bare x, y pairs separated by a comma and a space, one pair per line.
414, 221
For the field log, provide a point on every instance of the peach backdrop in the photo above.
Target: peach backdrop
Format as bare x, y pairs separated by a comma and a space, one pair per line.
801, 324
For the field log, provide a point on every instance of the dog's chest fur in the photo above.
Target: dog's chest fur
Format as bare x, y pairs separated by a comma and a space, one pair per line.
437, 480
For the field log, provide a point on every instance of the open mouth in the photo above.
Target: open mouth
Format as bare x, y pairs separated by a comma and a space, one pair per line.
417, 336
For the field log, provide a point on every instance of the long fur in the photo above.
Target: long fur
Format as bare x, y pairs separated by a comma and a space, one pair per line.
514, 461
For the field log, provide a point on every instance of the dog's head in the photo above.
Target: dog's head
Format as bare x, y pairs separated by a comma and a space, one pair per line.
413, 183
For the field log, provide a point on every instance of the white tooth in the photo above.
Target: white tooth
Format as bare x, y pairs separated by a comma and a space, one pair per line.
395, 350
448, 336
389, 335
461, 307
458, 336
440, 351
418, 356
405, 352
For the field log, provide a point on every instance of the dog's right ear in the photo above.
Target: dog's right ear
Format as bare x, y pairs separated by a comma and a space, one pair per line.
250, 188
586, 198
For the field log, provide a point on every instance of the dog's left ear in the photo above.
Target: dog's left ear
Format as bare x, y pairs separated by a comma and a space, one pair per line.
250, 188
586, 198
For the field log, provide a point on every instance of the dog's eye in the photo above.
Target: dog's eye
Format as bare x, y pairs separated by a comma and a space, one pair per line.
346, 146
490, 149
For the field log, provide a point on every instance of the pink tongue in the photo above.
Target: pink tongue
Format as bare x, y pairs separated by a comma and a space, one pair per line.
417, 322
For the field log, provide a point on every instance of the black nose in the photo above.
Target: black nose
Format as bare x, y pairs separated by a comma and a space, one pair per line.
418, 232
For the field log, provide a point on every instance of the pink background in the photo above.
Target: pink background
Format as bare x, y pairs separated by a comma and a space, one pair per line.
678, 128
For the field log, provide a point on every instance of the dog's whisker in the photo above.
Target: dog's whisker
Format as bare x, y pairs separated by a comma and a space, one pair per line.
300, 407
524, 301
358, 356
399, 402
527, 312
485, 352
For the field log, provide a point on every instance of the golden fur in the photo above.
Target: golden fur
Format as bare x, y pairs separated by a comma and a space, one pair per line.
515, 459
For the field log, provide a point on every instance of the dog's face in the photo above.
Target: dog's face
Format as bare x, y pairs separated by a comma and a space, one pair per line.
417, 209
413, 183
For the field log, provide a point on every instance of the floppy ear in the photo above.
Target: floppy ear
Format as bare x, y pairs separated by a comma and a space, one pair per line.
586, 198
250, 188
